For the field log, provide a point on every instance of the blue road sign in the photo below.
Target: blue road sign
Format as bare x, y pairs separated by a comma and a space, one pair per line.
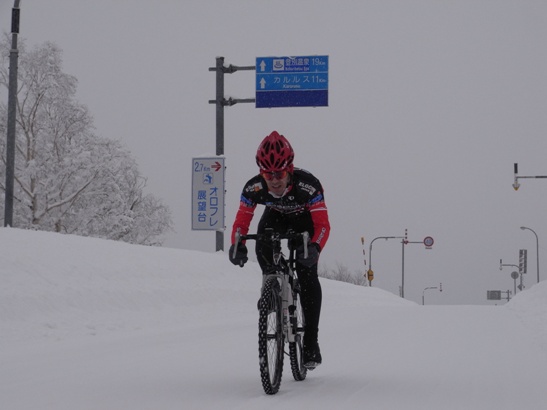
292, 81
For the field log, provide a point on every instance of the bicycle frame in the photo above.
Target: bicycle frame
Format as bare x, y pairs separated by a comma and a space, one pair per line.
283, 271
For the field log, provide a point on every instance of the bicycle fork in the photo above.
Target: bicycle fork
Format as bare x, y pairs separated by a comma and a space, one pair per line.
288, 306
289, 310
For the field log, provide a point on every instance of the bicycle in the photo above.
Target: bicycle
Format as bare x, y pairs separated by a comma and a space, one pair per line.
281, 319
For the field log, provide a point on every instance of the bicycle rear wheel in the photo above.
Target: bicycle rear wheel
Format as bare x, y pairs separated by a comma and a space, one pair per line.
270, 336
296, 348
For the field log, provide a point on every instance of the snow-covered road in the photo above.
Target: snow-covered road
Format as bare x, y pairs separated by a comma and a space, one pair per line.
92, 324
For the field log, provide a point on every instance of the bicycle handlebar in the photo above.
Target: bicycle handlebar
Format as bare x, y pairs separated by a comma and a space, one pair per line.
271, 237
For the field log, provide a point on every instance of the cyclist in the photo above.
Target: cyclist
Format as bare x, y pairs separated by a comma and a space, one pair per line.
293, 199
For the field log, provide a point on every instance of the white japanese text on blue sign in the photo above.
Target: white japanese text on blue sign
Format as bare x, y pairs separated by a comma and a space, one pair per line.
292, 81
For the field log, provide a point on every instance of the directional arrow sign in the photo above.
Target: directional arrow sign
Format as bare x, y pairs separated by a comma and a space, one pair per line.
292, 81
208, 193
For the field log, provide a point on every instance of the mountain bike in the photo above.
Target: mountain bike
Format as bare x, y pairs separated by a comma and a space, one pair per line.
281, 319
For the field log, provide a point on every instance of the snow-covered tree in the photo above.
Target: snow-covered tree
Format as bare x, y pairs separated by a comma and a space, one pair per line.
67, 179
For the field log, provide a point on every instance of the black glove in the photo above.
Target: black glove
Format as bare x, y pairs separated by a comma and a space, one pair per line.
241, 255
313, 255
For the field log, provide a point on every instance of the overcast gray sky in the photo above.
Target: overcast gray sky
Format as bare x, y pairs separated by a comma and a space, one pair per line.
430, 104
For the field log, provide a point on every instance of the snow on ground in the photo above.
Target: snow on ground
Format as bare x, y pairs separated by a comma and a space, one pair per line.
93, 324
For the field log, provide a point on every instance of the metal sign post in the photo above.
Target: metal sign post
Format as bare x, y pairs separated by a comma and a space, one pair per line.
428, 242
516, 184
221, 102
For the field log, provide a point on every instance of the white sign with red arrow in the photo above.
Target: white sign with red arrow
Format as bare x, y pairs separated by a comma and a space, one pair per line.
208, 193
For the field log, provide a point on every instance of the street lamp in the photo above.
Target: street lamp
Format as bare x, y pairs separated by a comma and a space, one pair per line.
370, 250
428, 242
537, 247
370, 247
423, 293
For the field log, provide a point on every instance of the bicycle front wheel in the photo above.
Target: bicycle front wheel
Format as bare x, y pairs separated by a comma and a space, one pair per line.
270, 336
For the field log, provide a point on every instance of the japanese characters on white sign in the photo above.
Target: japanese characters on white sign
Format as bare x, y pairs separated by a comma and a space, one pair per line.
208, 193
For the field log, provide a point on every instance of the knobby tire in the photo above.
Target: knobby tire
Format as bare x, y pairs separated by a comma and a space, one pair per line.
270, 336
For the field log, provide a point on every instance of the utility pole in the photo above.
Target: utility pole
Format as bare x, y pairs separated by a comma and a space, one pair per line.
12, 113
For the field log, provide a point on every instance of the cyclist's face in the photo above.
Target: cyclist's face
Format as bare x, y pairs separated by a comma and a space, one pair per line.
278, 186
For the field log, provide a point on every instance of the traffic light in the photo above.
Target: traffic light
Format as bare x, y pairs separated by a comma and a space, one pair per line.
523, 260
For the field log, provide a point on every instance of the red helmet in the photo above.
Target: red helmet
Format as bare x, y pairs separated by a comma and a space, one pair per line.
275, 154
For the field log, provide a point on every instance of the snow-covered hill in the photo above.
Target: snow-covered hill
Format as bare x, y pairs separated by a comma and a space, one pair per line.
94, 324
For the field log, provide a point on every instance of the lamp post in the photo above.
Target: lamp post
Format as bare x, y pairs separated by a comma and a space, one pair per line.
537, 248
428, 242
423, 293
220, 103
370, 248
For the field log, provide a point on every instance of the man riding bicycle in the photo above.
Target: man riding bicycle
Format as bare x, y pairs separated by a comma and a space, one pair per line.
293, 199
